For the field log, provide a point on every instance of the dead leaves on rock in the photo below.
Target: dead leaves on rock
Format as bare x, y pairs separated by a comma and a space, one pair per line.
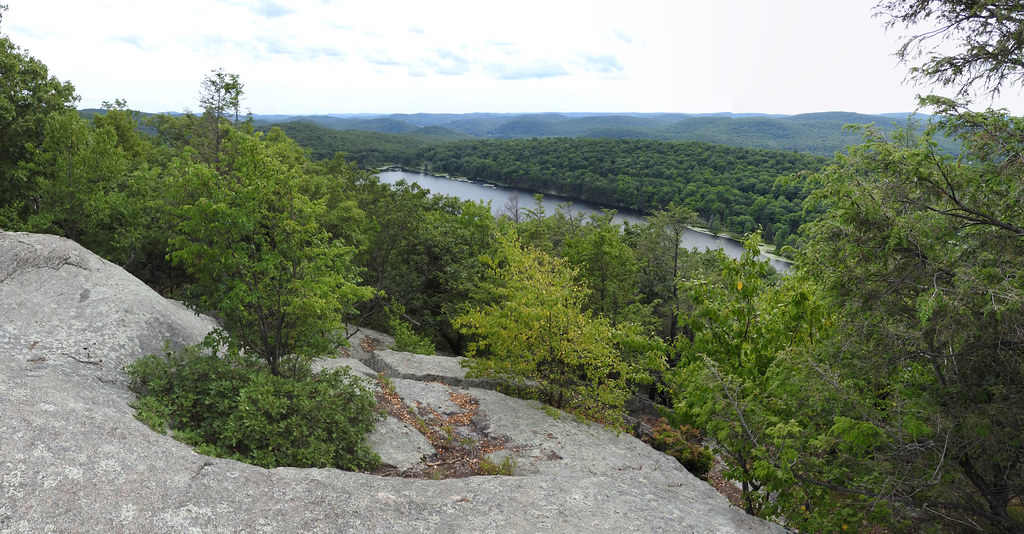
459, 443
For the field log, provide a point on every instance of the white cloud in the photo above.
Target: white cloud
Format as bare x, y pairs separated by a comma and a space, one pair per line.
319, 56
604, 64
533, 69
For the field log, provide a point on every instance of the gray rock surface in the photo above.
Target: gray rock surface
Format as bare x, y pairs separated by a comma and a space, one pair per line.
355, 366
399, 445
74, 459
446, 369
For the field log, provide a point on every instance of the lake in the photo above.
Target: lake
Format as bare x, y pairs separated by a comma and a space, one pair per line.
498, 196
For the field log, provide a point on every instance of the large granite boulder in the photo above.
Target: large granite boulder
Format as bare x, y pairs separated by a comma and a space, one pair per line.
74, 459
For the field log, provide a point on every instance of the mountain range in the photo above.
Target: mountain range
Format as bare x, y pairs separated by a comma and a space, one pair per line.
816, 133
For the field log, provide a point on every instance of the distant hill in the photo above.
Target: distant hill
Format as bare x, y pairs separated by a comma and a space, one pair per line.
815, 133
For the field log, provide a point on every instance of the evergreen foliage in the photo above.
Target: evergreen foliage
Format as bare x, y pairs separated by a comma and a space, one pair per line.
921, 256
987, 34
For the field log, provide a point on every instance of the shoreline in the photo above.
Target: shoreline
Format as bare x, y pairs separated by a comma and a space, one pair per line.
767, 250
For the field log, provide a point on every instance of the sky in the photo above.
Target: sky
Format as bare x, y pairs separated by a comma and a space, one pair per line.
302, 57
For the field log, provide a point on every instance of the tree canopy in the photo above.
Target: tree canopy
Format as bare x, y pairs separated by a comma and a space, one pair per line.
28, 96
261, 260
921, 256
729, 188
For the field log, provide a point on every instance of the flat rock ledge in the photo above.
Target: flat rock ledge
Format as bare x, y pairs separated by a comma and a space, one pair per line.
74, 459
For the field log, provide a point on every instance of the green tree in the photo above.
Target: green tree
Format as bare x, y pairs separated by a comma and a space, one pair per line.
609, 267
394, 217
533, 332
90, 184
920, 253
220, 96
262, 263
69, 172
734, 379
455, 234
124, 121
419, 251
669, 225
28, 96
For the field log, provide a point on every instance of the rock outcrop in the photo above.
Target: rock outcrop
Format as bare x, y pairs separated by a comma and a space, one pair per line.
74, 459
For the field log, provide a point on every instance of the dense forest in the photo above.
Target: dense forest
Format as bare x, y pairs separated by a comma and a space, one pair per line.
877, 387
368, 148
737, 189
731, 189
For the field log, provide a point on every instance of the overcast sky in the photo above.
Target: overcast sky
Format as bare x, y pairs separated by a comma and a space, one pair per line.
407, 56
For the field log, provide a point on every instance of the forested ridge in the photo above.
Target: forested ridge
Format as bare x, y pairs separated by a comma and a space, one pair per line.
877, 387
821, 134
368, 148
728, 187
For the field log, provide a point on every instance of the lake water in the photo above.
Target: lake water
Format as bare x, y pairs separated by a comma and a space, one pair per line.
498, 197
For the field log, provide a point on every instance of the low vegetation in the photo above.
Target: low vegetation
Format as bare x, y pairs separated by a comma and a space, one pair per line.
684, 443
229, 405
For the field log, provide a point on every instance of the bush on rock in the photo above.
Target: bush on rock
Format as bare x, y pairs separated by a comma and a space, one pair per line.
230, 406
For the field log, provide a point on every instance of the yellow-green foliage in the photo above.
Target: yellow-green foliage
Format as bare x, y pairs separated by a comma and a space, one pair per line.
684, 445
533, 332
507, 467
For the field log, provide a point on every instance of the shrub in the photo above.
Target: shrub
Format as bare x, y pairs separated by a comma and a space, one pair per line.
507, 467
406, 340
230, 406
684, 445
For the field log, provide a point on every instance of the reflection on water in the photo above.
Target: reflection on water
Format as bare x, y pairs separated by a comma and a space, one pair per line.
498, 196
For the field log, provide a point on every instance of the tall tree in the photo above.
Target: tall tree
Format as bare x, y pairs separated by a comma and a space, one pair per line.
28, 96
220, 96
669, 226
607, 264
921, 254
261, 261
734, 379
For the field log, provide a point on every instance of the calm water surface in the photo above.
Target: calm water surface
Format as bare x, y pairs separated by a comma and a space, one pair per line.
498, 196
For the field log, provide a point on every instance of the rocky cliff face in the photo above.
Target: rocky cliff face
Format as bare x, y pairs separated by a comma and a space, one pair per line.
74, 459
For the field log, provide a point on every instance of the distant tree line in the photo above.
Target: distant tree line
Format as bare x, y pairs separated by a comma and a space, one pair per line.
729, 188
